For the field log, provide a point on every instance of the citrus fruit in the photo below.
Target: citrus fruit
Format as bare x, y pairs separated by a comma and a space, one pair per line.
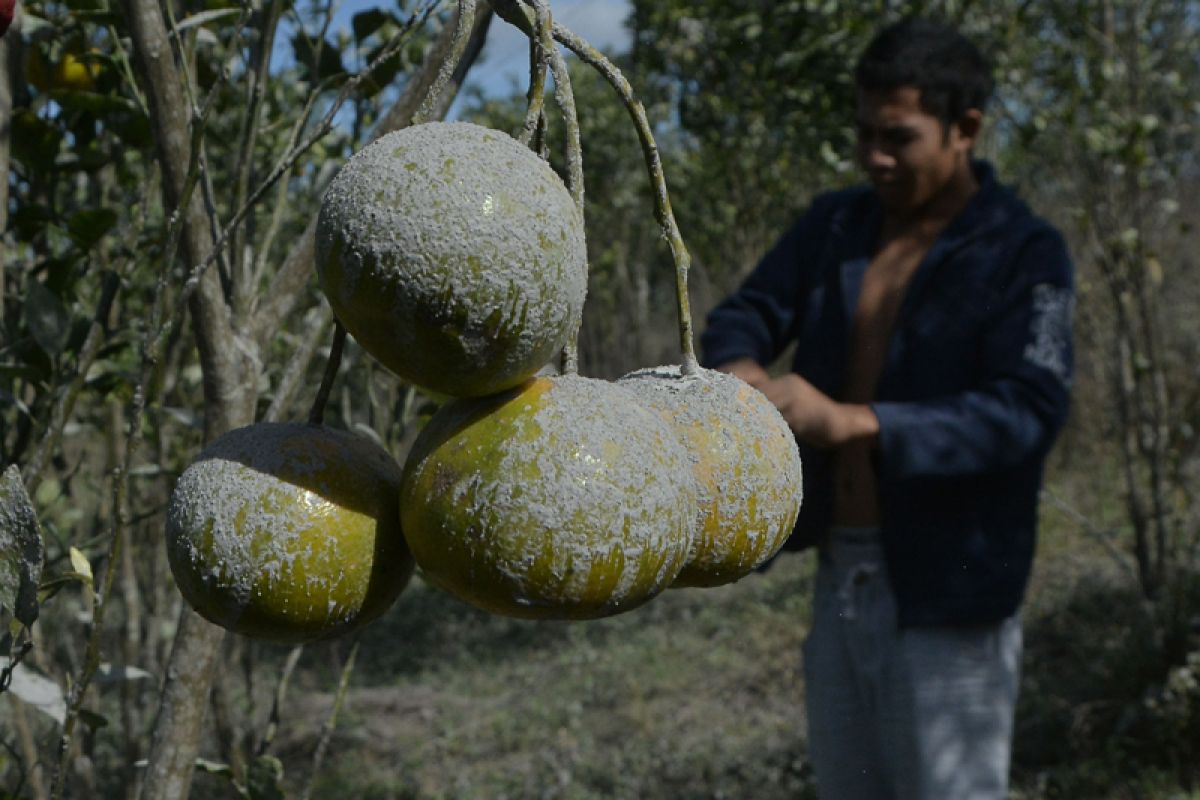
746, 464
562, 498
288, 532
454, 255
72, 71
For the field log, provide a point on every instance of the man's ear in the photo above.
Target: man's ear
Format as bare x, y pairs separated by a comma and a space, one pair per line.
968, 126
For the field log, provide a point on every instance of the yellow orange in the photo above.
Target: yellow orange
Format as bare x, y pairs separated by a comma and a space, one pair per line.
288, 532
746, 463
562, 498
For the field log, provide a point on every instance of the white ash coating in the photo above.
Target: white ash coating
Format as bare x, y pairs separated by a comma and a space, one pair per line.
564, 499
747, 467
288, 531
454, 255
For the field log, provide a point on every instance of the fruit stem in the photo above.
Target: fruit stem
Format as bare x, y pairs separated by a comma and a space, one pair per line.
317, 414
462, 33
539, 54
542, 50
662, 201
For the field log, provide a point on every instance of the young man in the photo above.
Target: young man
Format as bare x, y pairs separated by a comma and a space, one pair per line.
932, 315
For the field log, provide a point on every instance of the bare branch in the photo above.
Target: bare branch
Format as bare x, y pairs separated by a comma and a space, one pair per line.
462, 25
331, 723
297, 268
515, 13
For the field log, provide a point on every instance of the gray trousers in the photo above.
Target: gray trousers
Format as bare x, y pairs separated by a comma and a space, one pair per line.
903, 714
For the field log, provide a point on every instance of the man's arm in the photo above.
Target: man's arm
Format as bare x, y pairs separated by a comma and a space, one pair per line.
1023, 400
754, 324
813, 416
817, 419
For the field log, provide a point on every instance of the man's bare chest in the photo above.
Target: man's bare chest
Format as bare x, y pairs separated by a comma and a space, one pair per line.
885, 283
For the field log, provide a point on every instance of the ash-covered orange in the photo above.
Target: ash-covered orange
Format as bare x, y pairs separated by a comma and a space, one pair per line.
746, 463
454, 255
289, 532
562, 498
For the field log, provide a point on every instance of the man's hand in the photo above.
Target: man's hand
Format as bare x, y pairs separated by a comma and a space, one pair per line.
817, 419
748, 370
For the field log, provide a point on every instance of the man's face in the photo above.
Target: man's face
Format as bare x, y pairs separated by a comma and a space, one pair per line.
907, 153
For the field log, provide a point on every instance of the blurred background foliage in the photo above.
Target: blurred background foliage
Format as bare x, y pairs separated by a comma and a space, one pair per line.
697, 695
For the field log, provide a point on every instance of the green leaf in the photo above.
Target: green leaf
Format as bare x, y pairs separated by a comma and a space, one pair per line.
205, 17
97, 103
92, 719
47, 317
330, 63
384, 73
88, 227
21, 549
366, 23
35, 142
81, 565
214, 768
133, 128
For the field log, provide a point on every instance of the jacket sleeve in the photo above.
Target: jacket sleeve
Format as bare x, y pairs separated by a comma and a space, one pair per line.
1022, 400
759, 318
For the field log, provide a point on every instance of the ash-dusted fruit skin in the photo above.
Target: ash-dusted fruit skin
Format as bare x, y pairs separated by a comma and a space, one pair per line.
453, 255
559, 499
746, 463
289, 532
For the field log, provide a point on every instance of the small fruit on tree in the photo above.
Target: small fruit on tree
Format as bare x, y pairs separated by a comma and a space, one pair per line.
72, 72
454, 255
562, 498
288, 532
746, 464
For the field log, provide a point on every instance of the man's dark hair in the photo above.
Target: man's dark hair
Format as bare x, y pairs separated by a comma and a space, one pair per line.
948, 70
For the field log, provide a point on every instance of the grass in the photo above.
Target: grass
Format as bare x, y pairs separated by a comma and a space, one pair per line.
698, 694
695, 695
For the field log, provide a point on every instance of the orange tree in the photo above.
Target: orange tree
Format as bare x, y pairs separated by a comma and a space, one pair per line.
156, 293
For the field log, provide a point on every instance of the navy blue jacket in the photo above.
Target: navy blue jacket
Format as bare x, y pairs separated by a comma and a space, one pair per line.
974, 389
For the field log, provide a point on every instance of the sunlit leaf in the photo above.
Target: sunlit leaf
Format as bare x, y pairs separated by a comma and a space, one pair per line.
205, 17
81, 565
39, 691
108, 674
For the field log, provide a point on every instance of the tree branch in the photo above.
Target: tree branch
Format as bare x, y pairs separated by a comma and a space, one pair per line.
297, 268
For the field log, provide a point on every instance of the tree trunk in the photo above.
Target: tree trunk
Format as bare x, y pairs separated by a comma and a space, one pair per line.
223, 343
229, 394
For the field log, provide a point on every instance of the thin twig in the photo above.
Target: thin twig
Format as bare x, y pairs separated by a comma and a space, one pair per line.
297, 267
464, 21
317, 415
298, 366
257, 78
66, 401
281, 688
564, 96
513, 12
196, 273
1093, 532
331, 723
